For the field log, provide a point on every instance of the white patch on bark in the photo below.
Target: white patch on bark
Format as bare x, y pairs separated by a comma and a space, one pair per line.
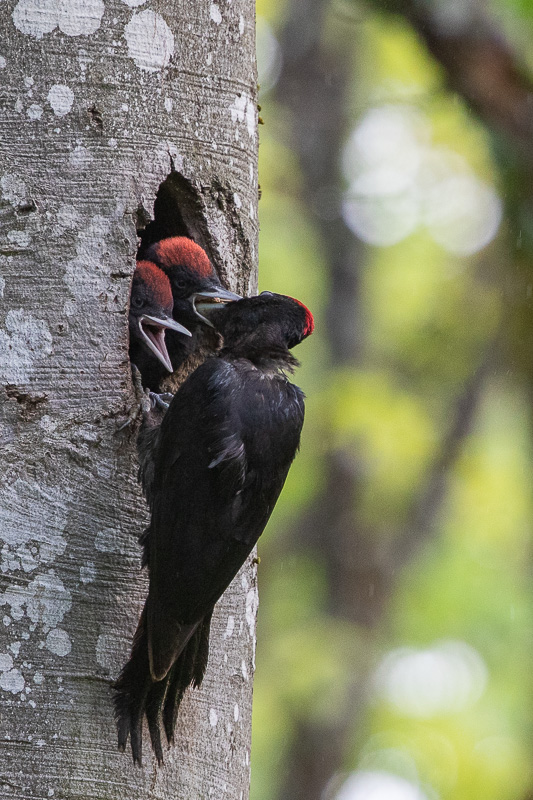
61, 98
15, 597
80, 17
236, 712
213, 717
243, 109
252, 604
67, 216
244, 670
168, 104
47, 600
35, 18
23, 340
19, 106
21, 558
35, 111
88, 573
251, 118
15, 648
43, 534
241, 25
150, 41
230, 627
12, 681
58, 642
86, 276
19, 238
13, 188
106, 653
48, 424
134, 3
6, 662
70, 307
73, 17
2, 286
2, 62
214, 13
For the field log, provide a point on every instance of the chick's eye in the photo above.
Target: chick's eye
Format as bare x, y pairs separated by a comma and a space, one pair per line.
180, 283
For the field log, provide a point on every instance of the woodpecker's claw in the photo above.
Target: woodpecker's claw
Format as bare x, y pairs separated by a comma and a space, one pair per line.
160, 400
142, 405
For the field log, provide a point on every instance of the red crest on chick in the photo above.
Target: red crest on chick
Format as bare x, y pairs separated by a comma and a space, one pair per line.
158, 284
183, 251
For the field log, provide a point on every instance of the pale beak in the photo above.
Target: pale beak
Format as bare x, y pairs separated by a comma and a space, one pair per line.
205, 302
153, 332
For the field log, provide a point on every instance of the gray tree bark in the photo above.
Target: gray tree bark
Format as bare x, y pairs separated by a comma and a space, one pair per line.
100, 102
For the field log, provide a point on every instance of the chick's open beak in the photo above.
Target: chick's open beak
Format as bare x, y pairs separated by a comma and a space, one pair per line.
153, 333
205, 302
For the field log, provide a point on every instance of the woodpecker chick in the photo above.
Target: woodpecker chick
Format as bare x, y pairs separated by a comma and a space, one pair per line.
196, 292
150, 316
221, 457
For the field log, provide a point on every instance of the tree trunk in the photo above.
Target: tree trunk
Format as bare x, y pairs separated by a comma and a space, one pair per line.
101, 102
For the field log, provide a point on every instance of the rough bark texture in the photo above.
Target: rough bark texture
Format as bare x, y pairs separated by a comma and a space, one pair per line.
100, 101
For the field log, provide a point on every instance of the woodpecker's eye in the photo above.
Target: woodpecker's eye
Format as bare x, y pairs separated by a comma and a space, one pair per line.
136, 301
180, 284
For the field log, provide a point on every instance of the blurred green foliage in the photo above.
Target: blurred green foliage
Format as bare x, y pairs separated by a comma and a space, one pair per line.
429, 320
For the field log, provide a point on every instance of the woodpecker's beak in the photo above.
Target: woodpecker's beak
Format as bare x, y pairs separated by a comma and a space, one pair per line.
205, 302
153, 333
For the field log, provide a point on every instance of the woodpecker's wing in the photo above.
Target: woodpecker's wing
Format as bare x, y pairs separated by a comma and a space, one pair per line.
225, 447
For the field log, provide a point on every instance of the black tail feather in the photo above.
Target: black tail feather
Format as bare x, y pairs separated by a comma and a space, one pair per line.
173, 699
131, 690
154, 703
202, 655
181, 678
137, 695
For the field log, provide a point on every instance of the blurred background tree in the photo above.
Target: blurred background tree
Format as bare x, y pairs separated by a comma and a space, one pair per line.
396, 619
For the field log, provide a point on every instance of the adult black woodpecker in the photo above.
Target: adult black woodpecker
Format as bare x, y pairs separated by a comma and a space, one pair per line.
221, 457
196, 292
150, 316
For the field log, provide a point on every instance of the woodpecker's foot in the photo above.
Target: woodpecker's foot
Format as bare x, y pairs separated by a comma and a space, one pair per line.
143, 403
161, 401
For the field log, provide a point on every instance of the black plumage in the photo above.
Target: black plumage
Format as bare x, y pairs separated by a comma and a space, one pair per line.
220, 460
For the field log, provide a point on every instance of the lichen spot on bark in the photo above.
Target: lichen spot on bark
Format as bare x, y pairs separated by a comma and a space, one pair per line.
61, 98
243, 109
150, 41
75, 18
